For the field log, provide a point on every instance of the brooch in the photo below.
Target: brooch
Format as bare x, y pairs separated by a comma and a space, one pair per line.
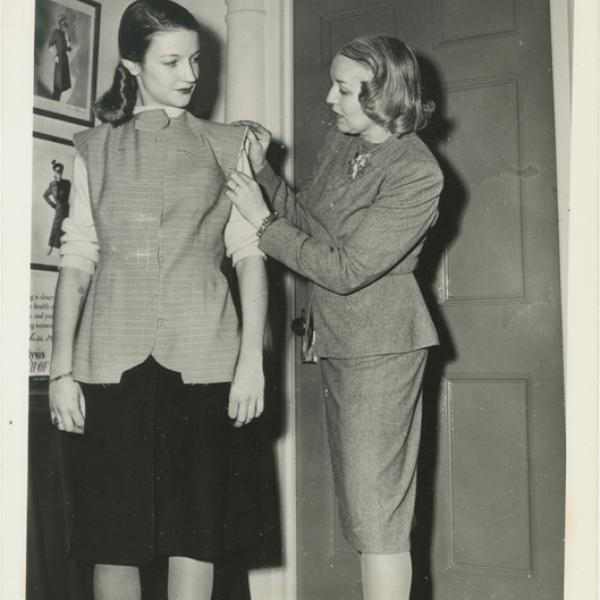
361, 159
358, 164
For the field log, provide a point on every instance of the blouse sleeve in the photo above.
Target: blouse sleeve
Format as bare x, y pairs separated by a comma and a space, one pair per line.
79, 244
240, 235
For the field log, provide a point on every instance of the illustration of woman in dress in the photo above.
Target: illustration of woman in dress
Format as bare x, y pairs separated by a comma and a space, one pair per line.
57, 196
59, 45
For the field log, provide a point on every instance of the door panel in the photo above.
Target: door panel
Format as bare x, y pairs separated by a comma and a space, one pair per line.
462, 20
489, 516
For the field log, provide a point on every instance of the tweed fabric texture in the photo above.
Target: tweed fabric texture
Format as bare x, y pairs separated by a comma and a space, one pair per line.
160, 286
359, 240
373, 409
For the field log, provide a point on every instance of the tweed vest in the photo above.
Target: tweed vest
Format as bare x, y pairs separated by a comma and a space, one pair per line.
160, 286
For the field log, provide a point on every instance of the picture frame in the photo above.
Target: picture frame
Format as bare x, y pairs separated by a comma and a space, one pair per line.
50, 197
41, 306
66, 59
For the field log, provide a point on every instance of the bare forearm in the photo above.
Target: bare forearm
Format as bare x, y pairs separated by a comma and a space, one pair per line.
71, 291
252, 278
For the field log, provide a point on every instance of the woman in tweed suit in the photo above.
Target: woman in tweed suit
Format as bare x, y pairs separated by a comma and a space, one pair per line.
356, 234
148, 362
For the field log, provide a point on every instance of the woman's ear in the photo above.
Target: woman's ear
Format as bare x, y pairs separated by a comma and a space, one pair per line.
132, 67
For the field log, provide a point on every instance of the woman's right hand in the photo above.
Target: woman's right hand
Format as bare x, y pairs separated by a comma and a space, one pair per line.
259, 138
67, 405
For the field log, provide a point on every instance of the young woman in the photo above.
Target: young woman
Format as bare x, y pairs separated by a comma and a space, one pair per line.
148, 362
356, 234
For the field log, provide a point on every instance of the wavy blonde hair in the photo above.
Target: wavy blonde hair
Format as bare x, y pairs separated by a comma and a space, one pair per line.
392, 97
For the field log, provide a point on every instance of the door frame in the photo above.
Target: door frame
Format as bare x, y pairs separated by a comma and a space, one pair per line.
575, 40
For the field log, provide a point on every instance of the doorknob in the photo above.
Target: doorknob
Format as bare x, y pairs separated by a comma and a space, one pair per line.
299, 324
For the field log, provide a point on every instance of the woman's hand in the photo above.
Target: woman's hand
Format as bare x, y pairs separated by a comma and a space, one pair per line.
259, 138
67, 405
247, 196
246, 397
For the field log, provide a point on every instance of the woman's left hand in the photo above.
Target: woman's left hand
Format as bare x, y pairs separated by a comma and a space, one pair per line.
246, 398
247, 196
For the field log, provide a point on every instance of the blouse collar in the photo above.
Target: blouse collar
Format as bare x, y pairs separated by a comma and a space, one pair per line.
172, 111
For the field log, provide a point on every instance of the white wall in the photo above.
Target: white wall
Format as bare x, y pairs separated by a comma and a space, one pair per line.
582, 323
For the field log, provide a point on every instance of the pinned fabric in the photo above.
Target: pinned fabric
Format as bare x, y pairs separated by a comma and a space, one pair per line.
240, 236
152, 120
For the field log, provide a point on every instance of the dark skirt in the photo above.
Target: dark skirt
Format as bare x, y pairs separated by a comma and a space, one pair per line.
373, 409
153, 471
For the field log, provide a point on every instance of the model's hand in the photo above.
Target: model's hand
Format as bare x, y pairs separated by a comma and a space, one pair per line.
246, 398
67, 405
259, 138
247, 196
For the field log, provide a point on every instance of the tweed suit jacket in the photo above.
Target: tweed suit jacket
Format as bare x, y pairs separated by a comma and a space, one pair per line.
358, 241
159, 287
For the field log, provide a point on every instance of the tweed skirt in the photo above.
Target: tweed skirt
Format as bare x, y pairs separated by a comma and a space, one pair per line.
151, 472
373, 412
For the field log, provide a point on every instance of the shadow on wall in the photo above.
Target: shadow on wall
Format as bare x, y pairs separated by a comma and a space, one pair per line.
206, 93
451, 210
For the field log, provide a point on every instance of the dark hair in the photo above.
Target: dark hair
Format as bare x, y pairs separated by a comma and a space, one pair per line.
392, 98
141, 20
58, 167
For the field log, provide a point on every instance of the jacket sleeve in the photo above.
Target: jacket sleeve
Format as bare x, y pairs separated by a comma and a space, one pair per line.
392, 227
283, 199
47, 195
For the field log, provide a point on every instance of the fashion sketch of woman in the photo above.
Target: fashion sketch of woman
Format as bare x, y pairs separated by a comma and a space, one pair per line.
57, 196
60, 45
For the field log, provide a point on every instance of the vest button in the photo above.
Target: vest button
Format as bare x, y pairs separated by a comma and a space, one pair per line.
160, 323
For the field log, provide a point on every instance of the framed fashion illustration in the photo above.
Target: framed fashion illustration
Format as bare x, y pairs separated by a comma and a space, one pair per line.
66, 59
53, 159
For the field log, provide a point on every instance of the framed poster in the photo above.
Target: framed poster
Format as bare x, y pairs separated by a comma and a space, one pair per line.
66, 59
41, 305
53, 159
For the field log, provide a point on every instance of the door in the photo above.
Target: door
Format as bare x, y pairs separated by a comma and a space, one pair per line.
489, 517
